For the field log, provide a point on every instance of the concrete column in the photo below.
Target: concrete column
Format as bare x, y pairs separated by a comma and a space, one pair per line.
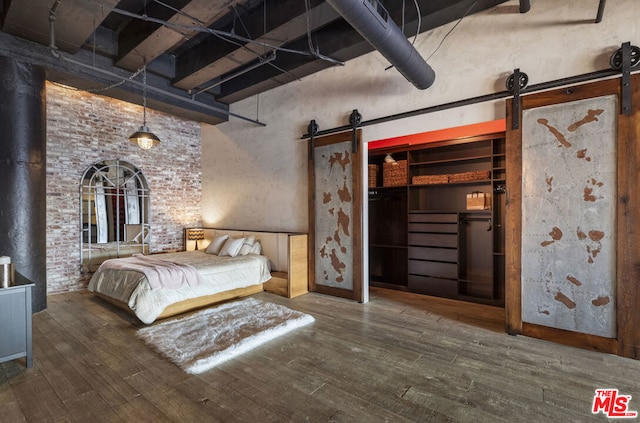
23, 227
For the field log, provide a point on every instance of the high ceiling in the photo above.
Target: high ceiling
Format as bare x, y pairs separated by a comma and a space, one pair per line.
201, 55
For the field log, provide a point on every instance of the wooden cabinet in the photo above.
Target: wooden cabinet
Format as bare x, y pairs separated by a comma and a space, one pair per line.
15, 322
422, 236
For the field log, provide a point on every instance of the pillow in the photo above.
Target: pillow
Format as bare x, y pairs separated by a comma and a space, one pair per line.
256, 249
231, 247
246, 246
216, 244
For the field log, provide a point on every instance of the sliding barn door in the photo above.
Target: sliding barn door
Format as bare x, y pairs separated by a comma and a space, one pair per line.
573, 212
335, 215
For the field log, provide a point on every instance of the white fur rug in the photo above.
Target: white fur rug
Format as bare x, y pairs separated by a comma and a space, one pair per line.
201, 341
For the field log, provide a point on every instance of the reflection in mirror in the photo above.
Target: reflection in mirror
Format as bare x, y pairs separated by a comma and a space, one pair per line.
114, 212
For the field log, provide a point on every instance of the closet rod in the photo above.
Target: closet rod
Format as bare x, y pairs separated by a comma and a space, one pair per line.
585, 77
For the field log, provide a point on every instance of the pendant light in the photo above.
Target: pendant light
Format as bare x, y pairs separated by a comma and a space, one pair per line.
143, 137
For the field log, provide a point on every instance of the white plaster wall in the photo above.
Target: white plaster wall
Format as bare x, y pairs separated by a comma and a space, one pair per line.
256, 177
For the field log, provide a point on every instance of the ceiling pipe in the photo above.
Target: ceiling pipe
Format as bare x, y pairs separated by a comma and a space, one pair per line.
525, 6
601, 6
373, 22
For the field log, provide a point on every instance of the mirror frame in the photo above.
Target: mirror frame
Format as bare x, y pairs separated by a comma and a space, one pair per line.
107, 179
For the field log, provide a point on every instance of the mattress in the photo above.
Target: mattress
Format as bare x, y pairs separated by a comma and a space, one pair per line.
219, 274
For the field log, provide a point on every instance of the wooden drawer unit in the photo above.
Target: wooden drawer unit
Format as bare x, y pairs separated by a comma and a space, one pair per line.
447, 228
434, 254
433, 230
433, 286
433, 217
433, 240
433, 268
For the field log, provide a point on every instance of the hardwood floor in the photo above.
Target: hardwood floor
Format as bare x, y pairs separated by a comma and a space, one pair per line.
402, 357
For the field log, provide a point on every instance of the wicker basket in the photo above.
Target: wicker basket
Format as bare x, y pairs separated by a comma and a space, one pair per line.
373, 175
478, 175
394, 174
430, 179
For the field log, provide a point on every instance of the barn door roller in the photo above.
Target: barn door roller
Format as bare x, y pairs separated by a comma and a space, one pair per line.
515, 84
624, 59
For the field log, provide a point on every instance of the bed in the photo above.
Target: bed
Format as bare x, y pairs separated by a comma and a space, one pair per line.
194, 279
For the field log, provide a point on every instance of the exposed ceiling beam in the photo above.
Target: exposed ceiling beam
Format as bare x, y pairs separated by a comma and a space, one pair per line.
174, 38
88, 72
339, 38
340, 41
285, 21
74, 21
137, 45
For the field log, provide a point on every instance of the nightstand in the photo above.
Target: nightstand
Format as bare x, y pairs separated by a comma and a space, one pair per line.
15, 321
295, 282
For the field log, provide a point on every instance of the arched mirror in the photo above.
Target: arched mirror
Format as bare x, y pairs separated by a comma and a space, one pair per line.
114, 212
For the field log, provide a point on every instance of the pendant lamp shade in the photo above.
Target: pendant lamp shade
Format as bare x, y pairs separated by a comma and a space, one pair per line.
143, 136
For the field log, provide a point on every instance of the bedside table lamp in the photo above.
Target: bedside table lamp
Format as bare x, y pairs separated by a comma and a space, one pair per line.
195, 235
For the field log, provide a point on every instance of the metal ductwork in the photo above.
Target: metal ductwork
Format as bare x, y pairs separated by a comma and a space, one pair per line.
373, 22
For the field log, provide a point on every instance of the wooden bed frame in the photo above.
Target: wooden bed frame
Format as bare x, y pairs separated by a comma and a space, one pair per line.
191, 304
288, 259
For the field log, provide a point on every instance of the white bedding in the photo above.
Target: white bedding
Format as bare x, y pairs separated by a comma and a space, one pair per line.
220, 273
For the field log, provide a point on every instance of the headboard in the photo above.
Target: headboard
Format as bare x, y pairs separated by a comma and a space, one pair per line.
274, 244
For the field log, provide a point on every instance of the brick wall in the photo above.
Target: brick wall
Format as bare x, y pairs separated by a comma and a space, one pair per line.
84, 128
